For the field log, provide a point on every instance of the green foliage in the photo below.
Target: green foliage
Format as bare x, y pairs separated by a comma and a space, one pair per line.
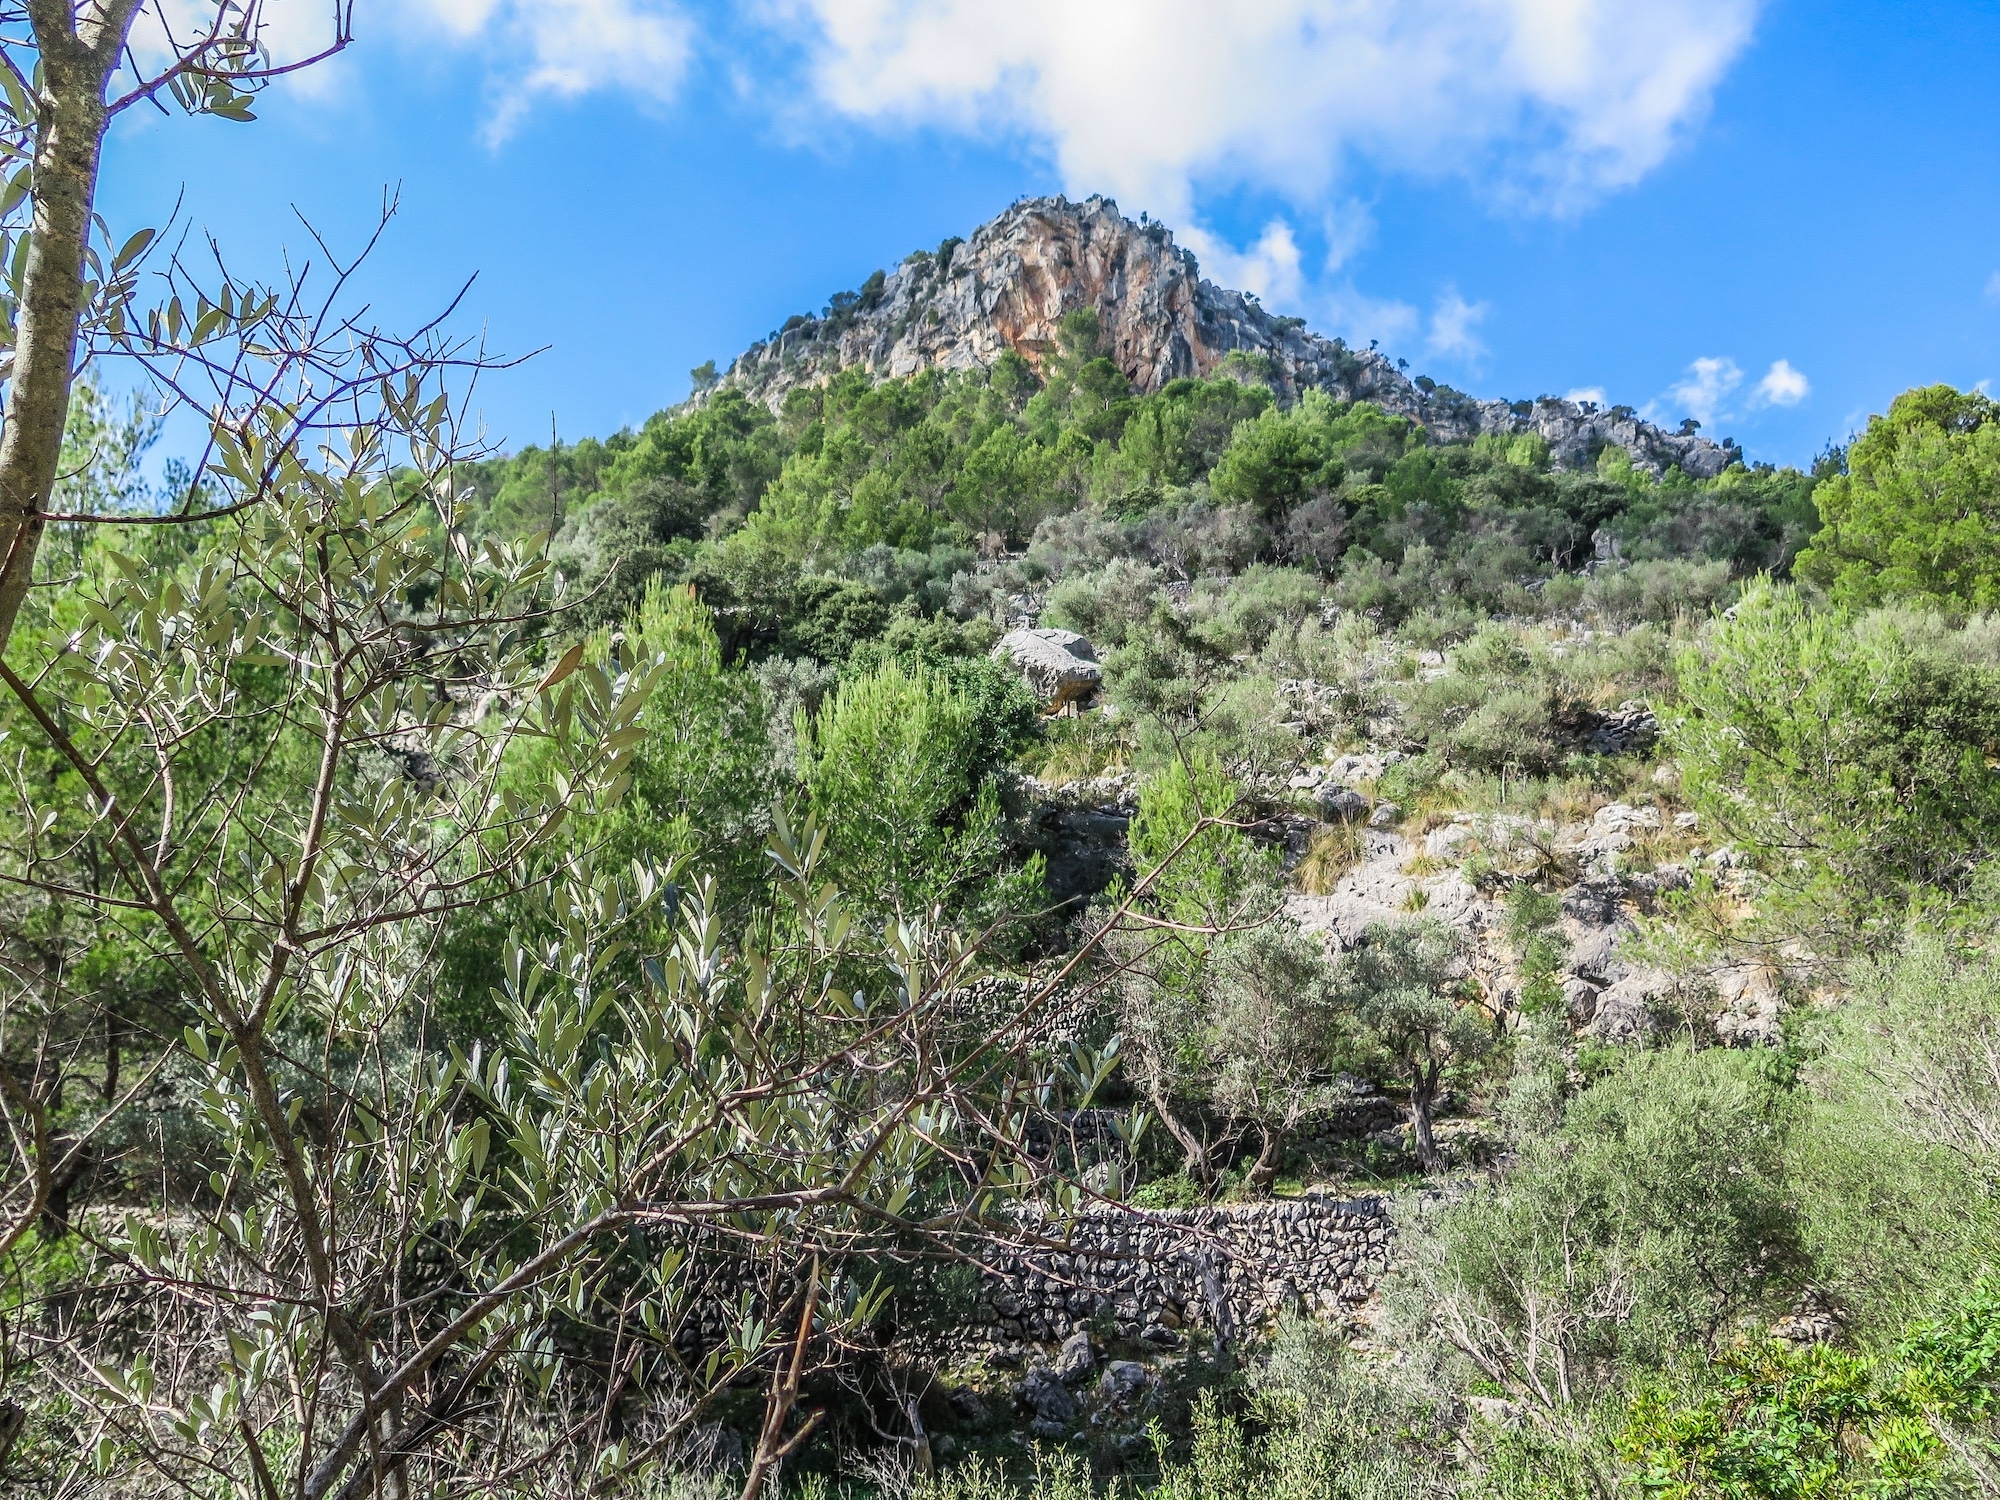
1766, 1421
1850, 755
1656, 1217
699, 790
1771, 1423
1216, 864
1203, 476
895, 767
1502, 706
1406, 985
1917, 514
1897, 1164
1539, 946
1225, 1010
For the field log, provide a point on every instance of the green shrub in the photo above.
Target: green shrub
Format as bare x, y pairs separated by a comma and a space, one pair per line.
1656, 1217
892, 769
1848, 755
1765, 1421
1897, 1165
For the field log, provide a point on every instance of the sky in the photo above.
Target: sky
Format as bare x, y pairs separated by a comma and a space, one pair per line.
1771, 217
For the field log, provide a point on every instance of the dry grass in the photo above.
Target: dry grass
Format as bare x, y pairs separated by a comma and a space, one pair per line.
1570, 801
1334, 851
1078, 749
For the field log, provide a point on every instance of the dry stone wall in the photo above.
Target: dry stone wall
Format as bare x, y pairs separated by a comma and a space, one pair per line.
1153, 1274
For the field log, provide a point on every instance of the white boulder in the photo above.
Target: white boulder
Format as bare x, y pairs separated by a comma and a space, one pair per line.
1059, 666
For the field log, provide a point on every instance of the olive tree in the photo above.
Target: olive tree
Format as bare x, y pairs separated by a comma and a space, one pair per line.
1229, 1016
67, 71
352, 1260
1407, 987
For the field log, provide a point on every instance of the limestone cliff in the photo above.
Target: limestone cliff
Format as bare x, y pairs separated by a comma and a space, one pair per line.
1009, 286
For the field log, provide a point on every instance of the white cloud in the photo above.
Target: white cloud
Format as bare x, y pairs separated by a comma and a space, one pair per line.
1594, 394
1274, 271
1269, 270
1348, 227
1708, 383
562, 49
1551, 102
1452, 322
1993, 287
1352, 314
1782, 385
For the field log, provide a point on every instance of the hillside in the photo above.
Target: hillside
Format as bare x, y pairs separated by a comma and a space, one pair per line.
1009, 286
1088, 916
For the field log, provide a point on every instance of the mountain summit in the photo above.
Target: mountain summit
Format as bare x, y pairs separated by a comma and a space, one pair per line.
1010, 285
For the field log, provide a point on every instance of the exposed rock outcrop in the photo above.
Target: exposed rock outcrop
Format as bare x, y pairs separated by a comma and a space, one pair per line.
1012, 283
1059, 666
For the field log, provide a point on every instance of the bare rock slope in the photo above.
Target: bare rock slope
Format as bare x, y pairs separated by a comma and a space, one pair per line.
1011, 284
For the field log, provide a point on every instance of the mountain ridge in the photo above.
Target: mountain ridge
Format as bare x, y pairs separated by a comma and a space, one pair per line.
1010, 284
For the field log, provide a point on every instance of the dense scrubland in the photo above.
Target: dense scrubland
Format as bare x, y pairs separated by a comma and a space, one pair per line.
533, 974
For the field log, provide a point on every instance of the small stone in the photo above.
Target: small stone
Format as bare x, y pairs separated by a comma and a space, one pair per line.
1386, 815
1124, 1381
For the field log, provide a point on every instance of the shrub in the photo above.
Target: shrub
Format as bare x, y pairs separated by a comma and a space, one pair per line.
891, 769
1898, 1161
1106, 606
1500, 707
1850, 758
1655, 1218
1769, 1422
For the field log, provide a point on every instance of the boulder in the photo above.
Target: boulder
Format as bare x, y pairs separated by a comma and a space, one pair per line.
1058, 666
1076, 1361
1622, 817
1386, 815
1338, 805
1750, 1010
1629, 1011
1580, 1000
1594, 903
1593, 950
1054, 1407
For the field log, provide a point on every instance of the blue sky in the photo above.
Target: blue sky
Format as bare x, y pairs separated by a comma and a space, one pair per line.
1770, 216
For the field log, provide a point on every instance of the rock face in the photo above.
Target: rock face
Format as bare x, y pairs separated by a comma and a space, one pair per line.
1059, 666
1011, 284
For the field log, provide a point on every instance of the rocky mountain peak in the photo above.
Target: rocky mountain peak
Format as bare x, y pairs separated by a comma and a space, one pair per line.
1011, 284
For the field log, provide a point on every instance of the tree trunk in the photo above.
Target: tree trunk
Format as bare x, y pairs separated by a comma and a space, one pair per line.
1271, 1145
1423, 1094
1194, 1149
69, 137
